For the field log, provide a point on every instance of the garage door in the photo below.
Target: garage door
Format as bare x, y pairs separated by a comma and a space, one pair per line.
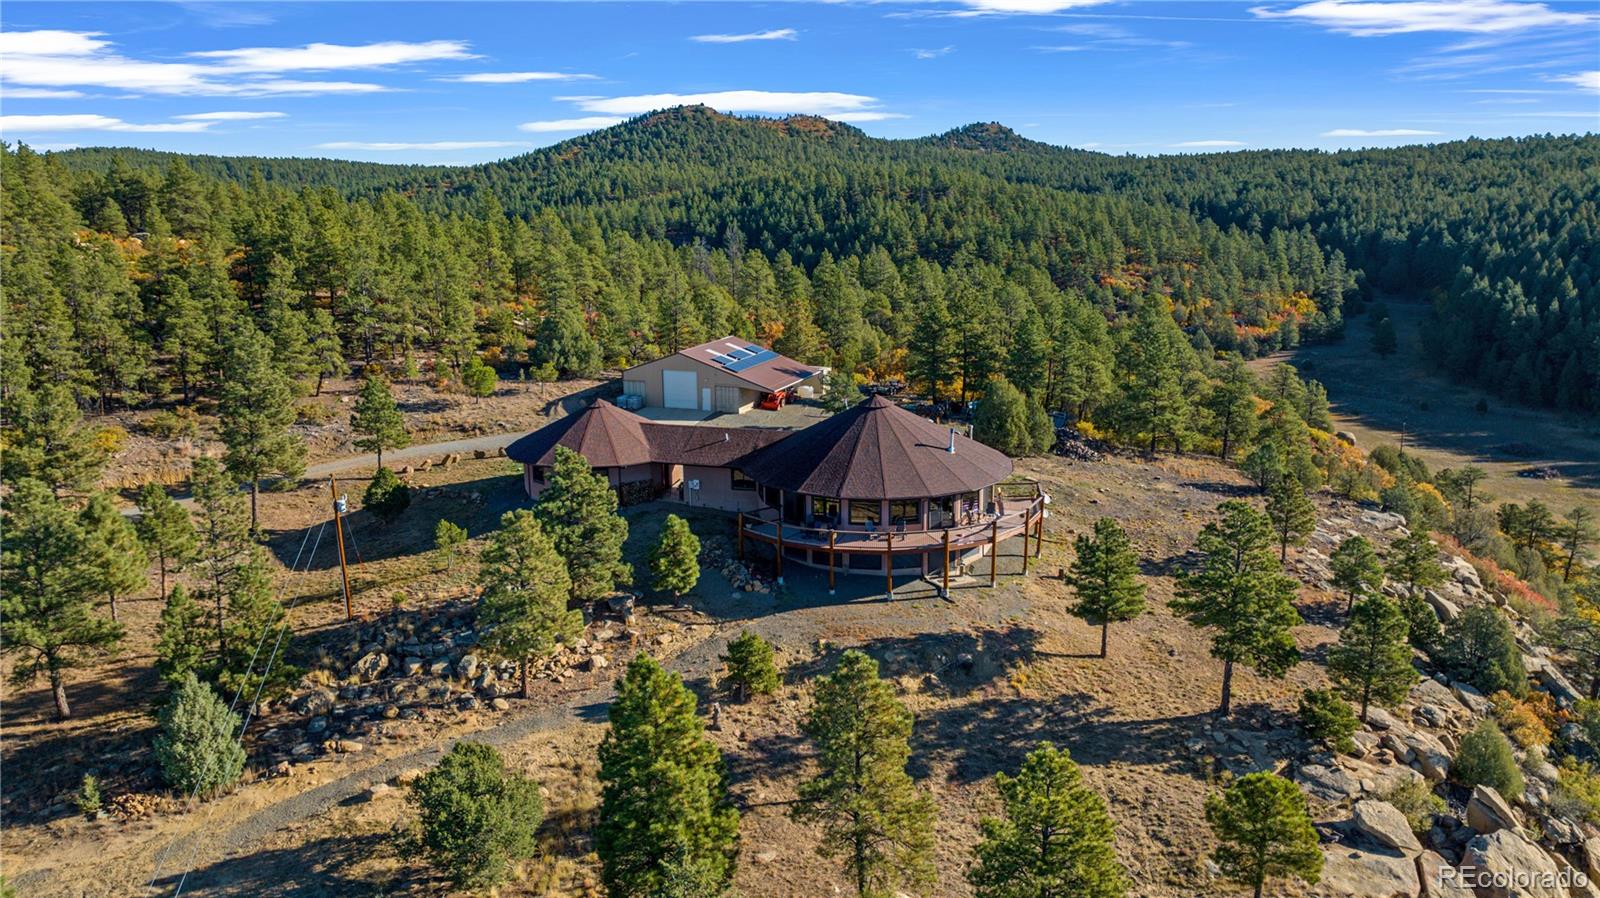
727, 399
679, 389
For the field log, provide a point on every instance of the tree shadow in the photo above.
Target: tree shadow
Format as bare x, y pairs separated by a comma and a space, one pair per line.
318, 869
950, 664
474, 504
572, 403
1219, 488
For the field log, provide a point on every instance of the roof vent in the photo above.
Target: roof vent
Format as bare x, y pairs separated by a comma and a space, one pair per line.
952, 447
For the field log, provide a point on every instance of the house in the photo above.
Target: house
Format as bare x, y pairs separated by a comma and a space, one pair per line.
873, 489
728, 375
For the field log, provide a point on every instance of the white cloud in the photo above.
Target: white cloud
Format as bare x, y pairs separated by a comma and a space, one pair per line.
1024, 7
38, 93
776, 34
1208, 144
1369, 18
517, 77
589, 123
49, 42
772, 102
866, 116
1059, 48
386, 146
45, 60
36, 124
228, 116
1589, 81
1378, 132
322, 57
932, 53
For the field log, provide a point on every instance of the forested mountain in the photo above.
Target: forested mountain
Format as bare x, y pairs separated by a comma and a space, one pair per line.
687, 222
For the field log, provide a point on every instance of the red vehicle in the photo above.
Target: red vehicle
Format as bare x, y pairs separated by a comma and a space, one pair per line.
773, 401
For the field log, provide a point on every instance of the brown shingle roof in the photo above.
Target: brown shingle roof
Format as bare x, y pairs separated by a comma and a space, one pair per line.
610, 437
877, 450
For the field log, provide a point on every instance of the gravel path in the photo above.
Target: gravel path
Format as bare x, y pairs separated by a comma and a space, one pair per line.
422, 450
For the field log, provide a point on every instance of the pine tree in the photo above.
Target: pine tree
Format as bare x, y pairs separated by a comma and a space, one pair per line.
1372, 660
386, 496
1002, 420
478, 379
1153, 403
750, 666
1413, 560
47, 440
1265, 829
448, 538
1356, 569
476, 817
114, 557
931, 363
256, 631
578, 509
1574, 535
1055, 840
1105, 578
197, 746
327, 354
181, 637
1232, 405
1384, 341
663, 796
675, 559
564, 344
525, 587
871, 813
256, 409
1293, 515
166, 530
1025, 363
1241, 593
46, 592
377, 419
224, 536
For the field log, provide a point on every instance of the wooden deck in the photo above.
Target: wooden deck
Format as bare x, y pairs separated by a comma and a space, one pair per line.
1016, 515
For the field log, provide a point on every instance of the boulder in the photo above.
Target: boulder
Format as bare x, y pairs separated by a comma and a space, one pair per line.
412, 666
371, 666
317, 702
1474, 700
1380, 719
1431, 755
1553, 680
1506, 865
1356, 873
1440, 879
1381, 822
1462, 571
1329, 784
1488, 812
1443, 607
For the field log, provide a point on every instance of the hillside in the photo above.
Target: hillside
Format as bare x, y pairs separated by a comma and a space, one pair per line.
1495, 232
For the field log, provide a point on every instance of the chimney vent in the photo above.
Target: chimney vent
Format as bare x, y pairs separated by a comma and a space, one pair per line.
952, 447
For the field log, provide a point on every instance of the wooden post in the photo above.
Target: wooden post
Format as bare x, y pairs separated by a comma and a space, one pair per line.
1027, 527
1038, 539
947, 564
338, 529
830, 562
741, 536
994, 551
888, 564
780, 547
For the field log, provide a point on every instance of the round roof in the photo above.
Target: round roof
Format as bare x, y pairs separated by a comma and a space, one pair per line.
877, 450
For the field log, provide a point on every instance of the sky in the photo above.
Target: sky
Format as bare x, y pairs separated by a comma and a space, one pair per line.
468, 82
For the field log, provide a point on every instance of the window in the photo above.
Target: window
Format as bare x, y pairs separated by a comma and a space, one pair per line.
969, 505
825, 511
864, 512
742, 481
538, 473
942, 511
905, 511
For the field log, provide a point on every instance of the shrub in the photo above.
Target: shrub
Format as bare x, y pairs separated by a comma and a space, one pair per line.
1579, 791
386, 497
183, 423
314, 413
1480, 648
448, 538
1485, 758
87, 799
1325, 717
750, 667
476, 817
196, 747
1418, 802
1528, 723
110, 439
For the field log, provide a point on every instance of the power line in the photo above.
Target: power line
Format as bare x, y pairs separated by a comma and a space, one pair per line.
239, 692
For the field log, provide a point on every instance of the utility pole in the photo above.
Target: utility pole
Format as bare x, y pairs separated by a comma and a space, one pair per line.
338, 529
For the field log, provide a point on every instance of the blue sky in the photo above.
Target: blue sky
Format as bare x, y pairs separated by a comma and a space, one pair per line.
425, 82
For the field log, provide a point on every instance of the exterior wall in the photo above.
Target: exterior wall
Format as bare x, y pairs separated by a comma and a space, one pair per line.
707, 377
716, 490
616, 477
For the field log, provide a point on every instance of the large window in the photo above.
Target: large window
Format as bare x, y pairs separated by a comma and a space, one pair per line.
865, 511
742, 481
825, 511
942, 511
905, 511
